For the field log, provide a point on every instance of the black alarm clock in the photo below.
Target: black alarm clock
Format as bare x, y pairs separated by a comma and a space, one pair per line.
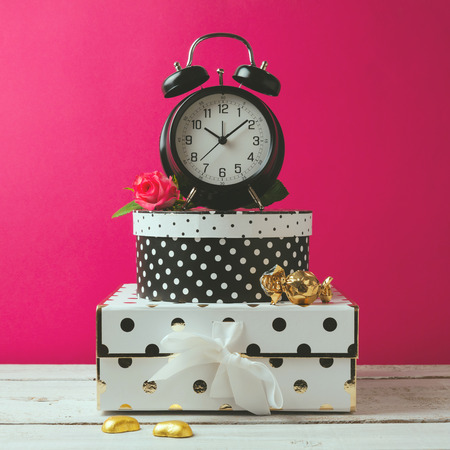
223, 144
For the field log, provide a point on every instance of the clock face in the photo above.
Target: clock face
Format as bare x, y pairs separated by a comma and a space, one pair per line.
222, 138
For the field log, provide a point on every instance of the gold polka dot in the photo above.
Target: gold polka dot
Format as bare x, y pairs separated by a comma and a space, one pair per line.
199, 387
101, 386
252, 305
149, 387
326, 407
175, 407
151, 306
125, 406
202, 305
300, 386
276, 362
225, 407
178, 324
350, 387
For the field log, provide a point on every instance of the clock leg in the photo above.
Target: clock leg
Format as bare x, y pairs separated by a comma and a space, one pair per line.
190, 197
255, 197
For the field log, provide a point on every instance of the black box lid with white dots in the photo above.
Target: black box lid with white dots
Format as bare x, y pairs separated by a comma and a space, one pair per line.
129, 326
216, 257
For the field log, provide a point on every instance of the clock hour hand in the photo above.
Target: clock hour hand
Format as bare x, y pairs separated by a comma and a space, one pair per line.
212, 132
237, 128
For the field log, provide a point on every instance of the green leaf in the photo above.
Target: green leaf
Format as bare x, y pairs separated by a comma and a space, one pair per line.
129, 189
132, 206
274, 194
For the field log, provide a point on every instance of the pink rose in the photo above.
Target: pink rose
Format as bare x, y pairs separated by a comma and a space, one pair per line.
154, 191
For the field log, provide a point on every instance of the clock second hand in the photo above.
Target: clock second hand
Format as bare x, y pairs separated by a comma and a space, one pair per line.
203, 157
222, 140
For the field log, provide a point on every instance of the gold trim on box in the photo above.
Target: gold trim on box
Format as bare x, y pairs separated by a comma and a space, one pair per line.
267, 356
350, 386
326, 407
101, 387
98, 326
175, 407
125, 406
225, 407
356, 321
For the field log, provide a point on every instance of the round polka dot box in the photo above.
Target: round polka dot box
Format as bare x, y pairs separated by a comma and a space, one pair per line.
214, 257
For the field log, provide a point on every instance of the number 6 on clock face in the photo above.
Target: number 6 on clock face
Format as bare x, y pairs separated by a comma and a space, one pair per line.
221, 140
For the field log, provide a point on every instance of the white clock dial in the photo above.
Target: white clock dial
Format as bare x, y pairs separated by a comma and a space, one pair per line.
223, 139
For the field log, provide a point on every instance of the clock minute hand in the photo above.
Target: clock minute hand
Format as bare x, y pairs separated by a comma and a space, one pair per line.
237, 128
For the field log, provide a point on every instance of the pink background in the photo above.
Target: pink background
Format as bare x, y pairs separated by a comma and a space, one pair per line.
365, 110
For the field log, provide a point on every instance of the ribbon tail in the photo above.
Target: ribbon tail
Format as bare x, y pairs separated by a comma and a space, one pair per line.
220, 387
254, 386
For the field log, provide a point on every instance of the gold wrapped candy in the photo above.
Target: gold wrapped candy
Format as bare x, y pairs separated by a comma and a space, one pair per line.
120, 424
172, 428
301, 287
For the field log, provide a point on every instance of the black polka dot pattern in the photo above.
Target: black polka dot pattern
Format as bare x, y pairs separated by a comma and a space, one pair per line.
127, 325
330, 324
125, 362
232, 224
213, 270
326, 362
279, 324
276, 362
304, 350
152, 350
253, 350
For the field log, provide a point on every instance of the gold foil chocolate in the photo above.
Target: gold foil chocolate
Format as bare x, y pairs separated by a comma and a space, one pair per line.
301, 287
172, 428
120, 424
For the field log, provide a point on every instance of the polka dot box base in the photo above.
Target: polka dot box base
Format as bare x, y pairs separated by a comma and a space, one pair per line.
310, 350
214, 257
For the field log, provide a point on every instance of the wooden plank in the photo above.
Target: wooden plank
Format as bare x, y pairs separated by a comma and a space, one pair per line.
378, 401
348, 437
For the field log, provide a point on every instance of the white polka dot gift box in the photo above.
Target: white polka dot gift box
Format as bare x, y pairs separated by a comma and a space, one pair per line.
159, 356
216, 257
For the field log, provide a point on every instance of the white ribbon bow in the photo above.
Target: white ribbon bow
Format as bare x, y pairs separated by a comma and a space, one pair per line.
250, 383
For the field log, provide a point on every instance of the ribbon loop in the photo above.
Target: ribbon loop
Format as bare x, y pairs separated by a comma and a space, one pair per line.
301, 287
250, 383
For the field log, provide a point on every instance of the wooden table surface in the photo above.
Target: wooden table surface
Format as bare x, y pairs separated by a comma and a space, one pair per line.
398, 407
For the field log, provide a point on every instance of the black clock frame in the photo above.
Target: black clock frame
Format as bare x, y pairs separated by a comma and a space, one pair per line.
221, 197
